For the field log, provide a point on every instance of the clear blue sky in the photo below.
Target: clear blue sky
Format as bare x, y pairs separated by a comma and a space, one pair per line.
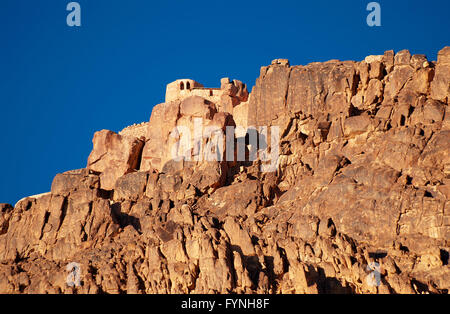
58, 85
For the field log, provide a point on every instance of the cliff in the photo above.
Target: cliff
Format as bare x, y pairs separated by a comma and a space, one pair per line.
358, 201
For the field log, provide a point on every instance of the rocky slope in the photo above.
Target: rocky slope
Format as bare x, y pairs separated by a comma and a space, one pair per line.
363, 180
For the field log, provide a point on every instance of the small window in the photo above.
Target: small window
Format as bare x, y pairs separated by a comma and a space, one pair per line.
181, 86
210, 92
188, 85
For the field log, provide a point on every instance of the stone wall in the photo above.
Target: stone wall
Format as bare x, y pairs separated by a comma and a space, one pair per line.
136, 130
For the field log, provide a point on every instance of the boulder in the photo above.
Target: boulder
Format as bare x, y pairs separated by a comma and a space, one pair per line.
440, 87
113, 156
70, 181
130, 186
356, 125
196, 106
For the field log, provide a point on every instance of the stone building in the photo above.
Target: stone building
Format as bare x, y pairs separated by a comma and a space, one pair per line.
184, 88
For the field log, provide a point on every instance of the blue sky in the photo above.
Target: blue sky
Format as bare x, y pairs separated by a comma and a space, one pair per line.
58, 85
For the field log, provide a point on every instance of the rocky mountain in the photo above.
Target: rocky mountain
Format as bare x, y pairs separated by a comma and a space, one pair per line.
359, 201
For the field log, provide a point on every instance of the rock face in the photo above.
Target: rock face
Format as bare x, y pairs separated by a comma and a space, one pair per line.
113, 156
359, 201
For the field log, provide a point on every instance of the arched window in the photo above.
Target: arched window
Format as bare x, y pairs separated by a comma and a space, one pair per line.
181, 86
188, 85
211, 92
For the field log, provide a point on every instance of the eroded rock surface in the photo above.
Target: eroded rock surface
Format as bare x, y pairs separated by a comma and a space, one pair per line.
363, 182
